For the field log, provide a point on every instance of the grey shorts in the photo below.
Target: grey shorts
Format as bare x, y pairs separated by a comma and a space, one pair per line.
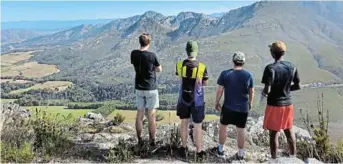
147, 99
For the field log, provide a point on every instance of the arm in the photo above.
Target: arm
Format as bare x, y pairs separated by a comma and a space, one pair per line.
296, 82
205, 78
158, 67
267, 80
251, 97
219, 95
132, 58
251, 92
205, 82
220, 90
266, 90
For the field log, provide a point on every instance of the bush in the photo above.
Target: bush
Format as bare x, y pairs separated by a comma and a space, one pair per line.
121, 153
42, 136
320, 147
159, 117
106, 109
21, 154
28, 100
51, 133
118, 119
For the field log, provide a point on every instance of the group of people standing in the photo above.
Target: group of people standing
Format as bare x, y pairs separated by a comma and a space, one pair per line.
237, 84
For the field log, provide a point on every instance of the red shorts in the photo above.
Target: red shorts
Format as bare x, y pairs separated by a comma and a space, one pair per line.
278, 118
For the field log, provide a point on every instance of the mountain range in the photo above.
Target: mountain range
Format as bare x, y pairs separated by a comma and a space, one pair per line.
313, 32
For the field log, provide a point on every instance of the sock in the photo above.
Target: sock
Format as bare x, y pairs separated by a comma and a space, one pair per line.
220, 147
241, 152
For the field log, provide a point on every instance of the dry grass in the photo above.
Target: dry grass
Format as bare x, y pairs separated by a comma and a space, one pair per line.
130, 116
12, 58
335, 131
14, 81
10, 66
31, 69
53, 85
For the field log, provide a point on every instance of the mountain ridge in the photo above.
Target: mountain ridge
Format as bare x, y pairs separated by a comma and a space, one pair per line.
248, 29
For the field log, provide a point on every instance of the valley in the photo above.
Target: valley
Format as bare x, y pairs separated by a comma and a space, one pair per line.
80, 69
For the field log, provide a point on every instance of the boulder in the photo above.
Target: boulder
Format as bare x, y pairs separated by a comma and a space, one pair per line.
285, 160
260, 137
94, 116
11, 112
156, 161
313, 161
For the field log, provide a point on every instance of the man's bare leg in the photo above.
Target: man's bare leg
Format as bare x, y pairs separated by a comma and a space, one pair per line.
274, 142
222, 134
291, 141
198, 136
152, 124
240, 138
139, 123
184, 132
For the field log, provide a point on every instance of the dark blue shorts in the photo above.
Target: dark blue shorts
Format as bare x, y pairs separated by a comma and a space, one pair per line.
239, 119
185, 112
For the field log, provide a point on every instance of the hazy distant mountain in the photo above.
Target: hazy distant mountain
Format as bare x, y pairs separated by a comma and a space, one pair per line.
22, 30
217, 14
18, 35
51, 24
312, 30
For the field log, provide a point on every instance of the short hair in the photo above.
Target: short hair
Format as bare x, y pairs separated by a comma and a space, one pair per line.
238, 63
278, 54
144, 39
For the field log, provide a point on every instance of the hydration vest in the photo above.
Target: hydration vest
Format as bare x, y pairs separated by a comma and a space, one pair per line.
198, 93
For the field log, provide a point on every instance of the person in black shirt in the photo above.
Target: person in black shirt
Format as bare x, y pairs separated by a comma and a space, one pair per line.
278, 78
193, 76
146, 65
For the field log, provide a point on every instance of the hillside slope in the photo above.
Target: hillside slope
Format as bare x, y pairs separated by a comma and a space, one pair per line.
101, 53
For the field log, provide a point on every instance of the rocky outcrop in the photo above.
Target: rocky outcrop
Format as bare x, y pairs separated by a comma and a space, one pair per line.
168, 136
94, 116
284, 160
11, 112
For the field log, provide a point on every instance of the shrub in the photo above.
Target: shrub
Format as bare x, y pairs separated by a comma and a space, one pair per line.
121, 153
106, 109
175, 137
320, 147
51, 133
42, 135
21, 154
118, 119
159, 117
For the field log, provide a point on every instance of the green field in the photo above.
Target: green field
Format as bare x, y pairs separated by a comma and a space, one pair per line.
52, 85
129, 114
169, 116
7, 100
60, 109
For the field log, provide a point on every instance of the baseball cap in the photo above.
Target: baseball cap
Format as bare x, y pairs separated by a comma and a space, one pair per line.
238, 57
192, 48
278, 46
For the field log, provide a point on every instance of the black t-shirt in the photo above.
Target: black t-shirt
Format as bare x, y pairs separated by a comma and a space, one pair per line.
188, 82
279, 76
145, 63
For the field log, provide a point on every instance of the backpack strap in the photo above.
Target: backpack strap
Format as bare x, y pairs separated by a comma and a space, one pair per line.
179, 68
200, 70
197, 72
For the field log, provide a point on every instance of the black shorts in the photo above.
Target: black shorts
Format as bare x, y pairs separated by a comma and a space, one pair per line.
233, 118
185, 112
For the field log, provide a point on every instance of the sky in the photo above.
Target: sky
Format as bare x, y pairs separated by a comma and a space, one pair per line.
76, 10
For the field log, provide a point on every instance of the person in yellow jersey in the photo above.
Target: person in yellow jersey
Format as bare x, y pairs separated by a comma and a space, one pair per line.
193, 76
